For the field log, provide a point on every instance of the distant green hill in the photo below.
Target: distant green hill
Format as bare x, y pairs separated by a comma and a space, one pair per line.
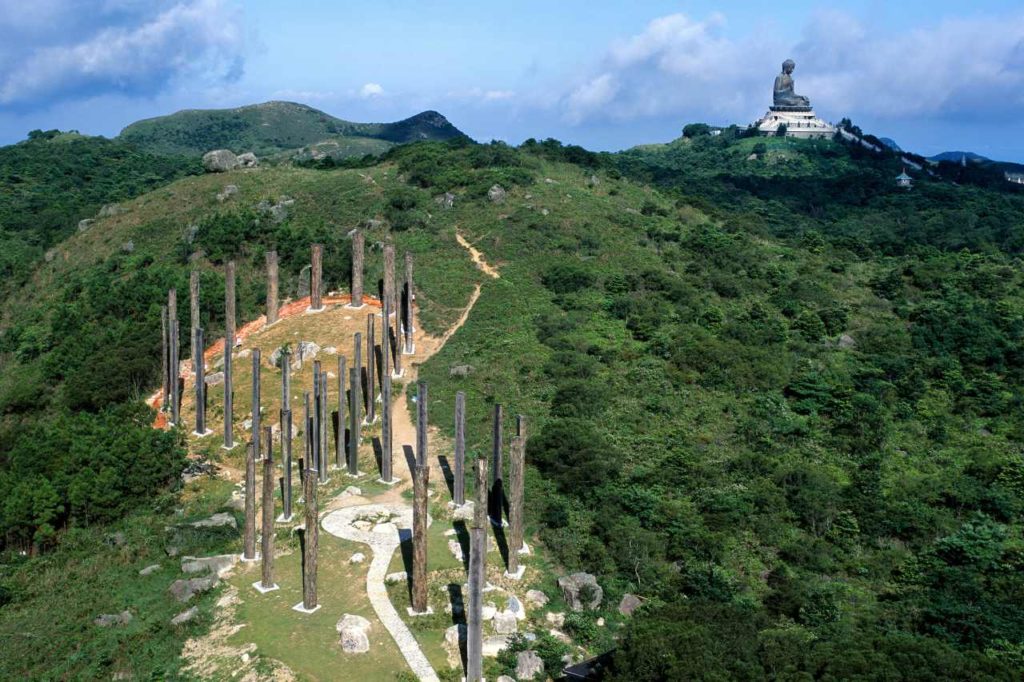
274, 127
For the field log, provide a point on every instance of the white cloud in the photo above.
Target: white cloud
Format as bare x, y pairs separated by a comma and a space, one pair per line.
198, 40
497, 95
371, 90
682, 67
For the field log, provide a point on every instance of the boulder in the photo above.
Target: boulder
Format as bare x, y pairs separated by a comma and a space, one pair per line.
106, 620
446, 200
128, 246
183, 590
357, 558
461, 371
248, 160
111, 210
463, 513
629, 604
488, 610
529, 666
218, 520
185, 616
148, 570
556, 619
505, 623
455, 634
496, 194
397, 577
353, 631
218, 565
846, 341
351, 491
84, 225
506, 678
493, 645
593, 181
581, 591
515, 607
226, 193
214, 379
116, 539
219, 161
536, 598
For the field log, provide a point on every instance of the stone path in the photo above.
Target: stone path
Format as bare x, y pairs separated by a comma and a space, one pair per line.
381, 526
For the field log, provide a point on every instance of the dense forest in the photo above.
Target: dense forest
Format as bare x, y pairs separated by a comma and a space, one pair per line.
771, 393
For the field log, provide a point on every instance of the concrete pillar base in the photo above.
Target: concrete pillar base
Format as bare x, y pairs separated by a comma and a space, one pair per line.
204, 434
253, 560
393, 481
302, 609
518, 575
313, 311
284, 519
414, 614
263, 590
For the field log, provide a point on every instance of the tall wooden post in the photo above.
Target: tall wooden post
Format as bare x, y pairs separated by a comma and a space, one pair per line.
199, 369
272, 288
409, 295
339, 435
317, 455
175, 373
397, 341
371, 368
164, 359
389, 276
517, 464
358, 245
316, 278
324, 414
286, 453
358, 365
193, 297
229, 347
355, 420
421, 474
421, 423
386, 473
267, 507
249, 532
497, 467
310, 542
385, 342
459, 489
256, 402
307, 437
477, 575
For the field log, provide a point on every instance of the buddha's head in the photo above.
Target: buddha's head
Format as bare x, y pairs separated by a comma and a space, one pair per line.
788, 66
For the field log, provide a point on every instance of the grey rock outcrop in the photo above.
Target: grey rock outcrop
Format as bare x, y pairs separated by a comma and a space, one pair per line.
629, 604
84, 225
353, 632
220, 161
219, 565
226, 193
248, 160
536, 598
217, 520
581, 591
529, 666
505, 623
493, 645
461, 371
496, 194
106, 620
185, 616
149, 570
214, 379
185, 589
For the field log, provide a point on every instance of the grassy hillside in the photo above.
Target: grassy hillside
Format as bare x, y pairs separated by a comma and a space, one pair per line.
774, 397
274, 127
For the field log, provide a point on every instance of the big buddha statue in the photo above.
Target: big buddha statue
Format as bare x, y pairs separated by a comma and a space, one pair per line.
783, 95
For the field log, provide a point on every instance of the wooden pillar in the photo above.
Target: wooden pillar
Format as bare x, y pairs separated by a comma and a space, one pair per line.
421, 474
421, 423
409, 294
459, 489
358, 246
272, 288
517, 464
385, 342
307, 437
324, 414
497, 467
386, 473
397, 340
310, 542
193, 298
199, 369
477, 575
249, 531
165, 362
316, 278
315, 440
389, 274
267, 507
286, 454
229, 348
175, 373
256, 402
354, 419
339, 434
357, 387
371, 368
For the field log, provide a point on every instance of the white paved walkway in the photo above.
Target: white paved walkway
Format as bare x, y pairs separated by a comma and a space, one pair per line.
378, 526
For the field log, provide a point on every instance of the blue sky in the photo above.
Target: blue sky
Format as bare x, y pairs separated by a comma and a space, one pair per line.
933, 75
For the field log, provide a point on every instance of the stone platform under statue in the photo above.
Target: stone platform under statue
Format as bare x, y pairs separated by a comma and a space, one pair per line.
792, 110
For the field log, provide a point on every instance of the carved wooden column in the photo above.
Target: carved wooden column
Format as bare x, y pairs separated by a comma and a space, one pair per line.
175, 373
355, 420
229, 347
421, 474
316, 278
409, 295
389, 274
386, 473
421, 423
317, 455
397, 339
385, 342
272, 288
267, 507
324, 414
358, 366
371, 368
459, 489
286, 454
310, 544
249, 531
358, 246
477, 575
307, 438
193, 298
256, 402
165, 360
339, 434
497, 466
199, 369
517, 464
